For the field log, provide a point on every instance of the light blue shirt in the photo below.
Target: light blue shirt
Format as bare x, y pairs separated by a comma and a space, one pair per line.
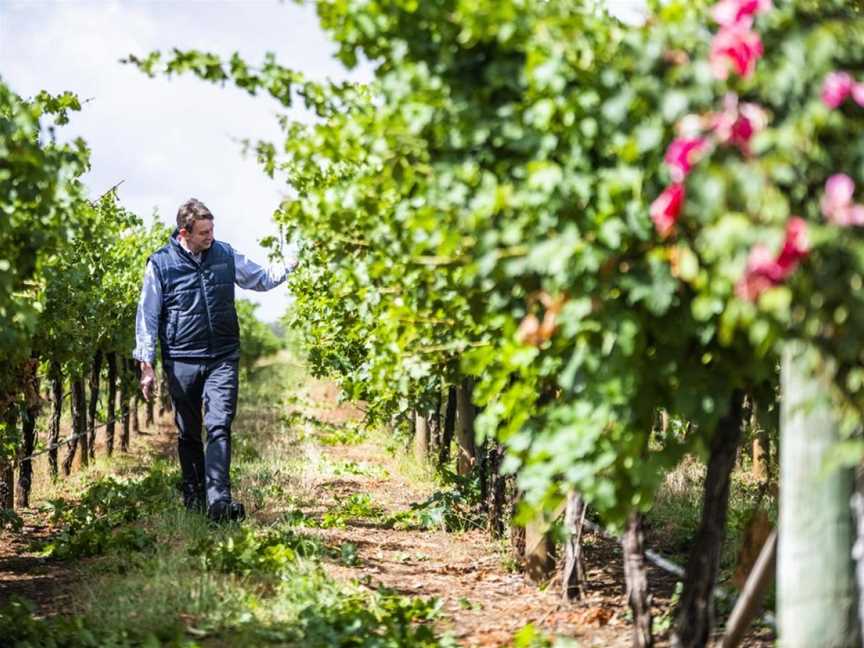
247, 274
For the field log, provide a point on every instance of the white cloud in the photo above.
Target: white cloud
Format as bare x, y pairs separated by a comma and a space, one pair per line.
168, 139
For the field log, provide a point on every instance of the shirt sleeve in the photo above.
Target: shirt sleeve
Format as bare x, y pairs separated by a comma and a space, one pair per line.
250, 275
147, 316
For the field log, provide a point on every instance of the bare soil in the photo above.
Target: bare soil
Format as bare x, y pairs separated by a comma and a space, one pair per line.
485, 601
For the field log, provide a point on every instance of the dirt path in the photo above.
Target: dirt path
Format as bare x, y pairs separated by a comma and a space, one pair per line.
484, 602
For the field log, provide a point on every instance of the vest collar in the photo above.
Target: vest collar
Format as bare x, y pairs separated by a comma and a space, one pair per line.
178, 247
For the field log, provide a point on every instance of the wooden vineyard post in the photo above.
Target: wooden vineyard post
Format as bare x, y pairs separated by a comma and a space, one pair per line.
573, 573
760, 459
465, 429
539, 556
858, 549
636, 575
421, 436
816, 596
761, 447
540, 547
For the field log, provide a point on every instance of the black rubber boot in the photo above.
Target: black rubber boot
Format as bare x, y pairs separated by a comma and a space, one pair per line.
226, 511
194, 498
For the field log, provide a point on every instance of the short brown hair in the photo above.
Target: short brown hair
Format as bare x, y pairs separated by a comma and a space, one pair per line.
190, 211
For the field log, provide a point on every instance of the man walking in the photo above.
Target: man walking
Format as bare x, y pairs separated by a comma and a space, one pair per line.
187, 303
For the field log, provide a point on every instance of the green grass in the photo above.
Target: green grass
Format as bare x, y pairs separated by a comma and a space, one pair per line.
157, 575
677, 511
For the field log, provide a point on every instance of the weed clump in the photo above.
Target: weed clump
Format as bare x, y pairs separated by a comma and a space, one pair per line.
103, 519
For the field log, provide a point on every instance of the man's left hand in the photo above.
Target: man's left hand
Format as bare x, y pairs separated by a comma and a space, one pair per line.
148, 380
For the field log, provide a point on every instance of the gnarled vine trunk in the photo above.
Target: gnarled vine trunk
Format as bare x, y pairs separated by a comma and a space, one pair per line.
7, 472
517, 533
56, 416
449, 427
110, 409
125, 398
79, 427
136, 405
497, 490
435, 425
95, 372
28, 433
165, 404
695, 615
150, 413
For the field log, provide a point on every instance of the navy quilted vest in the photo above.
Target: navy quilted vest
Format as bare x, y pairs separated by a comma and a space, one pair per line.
198, 318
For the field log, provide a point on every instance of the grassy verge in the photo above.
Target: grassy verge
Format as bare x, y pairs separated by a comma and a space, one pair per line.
153, 574
677, 511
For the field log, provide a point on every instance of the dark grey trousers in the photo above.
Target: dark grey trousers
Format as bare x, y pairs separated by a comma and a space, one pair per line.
212, 384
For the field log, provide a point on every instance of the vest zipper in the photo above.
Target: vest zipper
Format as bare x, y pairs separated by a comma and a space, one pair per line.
207, 308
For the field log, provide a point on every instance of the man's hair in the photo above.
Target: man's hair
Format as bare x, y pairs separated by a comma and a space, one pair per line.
190, 211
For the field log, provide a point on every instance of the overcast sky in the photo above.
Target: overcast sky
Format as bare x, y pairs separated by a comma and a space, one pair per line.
169, 140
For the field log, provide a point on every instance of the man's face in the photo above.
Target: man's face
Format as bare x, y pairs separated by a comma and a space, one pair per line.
201, 236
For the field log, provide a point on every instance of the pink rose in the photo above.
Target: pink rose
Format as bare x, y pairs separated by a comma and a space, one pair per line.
732, 12
837, 204
757, 275
795, 247
854, 215
742, 131
755, 114
737, 46
858, 93
737, 124
836, 88
690, 126
839, 189
764, 271
666, 209
682, 154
